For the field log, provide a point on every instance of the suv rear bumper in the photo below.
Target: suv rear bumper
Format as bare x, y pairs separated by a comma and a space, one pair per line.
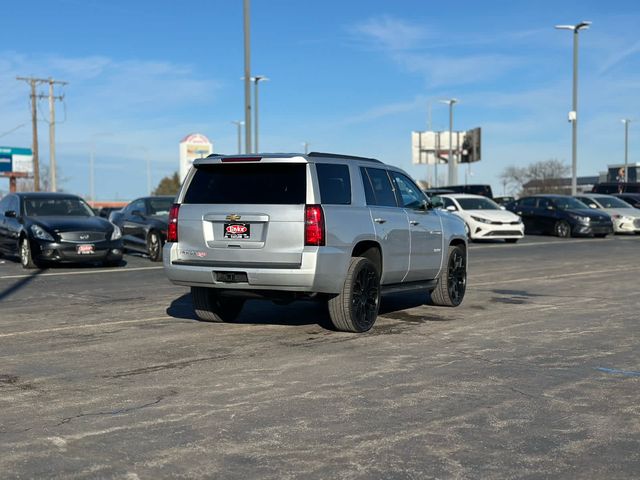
322, 270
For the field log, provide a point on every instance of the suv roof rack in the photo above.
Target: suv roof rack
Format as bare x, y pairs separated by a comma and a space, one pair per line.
346, 157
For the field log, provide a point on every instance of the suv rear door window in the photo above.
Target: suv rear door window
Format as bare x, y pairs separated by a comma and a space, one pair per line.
380, 189
259, 184
335, 184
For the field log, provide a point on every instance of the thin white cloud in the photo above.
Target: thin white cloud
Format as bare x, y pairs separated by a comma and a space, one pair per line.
381, 111
390, 33
618, 57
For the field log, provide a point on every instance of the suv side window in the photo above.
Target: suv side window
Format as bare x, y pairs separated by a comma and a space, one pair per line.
544, 203
381, 187
410, 196
335, 184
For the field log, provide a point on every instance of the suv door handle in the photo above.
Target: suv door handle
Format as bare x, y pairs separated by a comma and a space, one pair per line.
414, 222
379, 220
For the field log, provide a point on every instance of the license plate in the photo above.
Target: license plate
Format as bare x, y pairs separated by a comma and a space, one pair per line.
85, 249
237, 230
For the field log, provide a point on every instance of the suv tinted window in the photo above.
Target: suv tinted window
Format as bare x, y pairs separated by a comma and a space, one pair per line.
260, 184
335, 183
410, 195
380, 186
527, 202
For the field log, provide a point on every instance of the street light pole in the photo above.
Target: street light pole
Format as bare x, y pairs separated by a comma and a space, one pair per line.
247, 79
626, 149
256, 80
573, 116
453, 165
239, 125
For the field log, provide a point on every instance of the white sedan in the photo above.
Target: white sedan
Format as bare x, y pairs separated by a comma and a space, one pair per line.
485, 219
626, 219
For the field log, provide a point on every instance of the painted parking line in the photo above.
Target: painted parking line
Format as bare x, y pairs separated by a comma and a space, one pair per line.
81, 327
83, 272
561, 275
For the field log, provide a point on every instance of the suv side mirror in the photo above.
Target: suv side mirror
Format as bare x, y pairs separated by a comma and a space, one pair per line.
10, 214
137, 213
451, 208
550, 207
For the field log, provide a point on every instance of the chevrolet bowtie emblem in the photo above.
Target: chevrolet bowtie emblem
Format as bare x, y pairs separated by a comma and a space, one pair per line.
234, 217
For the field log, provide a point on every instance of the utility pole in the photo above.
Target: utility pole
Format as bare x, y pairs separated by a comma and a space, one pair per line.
52, 123
32, 81
626, 149
247, 79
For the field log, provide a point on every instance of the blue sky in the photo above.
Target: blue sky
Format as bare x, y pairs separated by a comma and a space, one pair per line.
346, 76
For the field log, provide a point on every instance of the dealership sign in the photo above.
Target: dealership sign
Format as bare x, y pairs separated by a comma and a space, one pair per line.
14, 159
193, 146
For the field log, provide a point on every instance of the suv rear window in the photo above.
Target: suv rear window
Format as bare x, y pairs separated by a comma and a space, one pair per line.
335, 184
260, 184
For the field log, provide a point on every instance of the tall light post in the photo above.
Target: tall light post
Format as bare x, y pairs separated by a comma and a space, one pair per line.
573, 115
626, 148
247, 78
306, 147
453, 165
239, 124
257, 79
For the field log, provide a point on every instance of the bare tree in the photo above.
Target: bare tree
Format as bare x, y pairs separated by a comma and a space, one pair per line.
544, 176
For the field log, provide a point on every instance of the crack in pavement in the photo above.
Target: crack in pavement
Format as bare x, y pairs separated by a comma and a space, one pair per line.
165, 366
119, 411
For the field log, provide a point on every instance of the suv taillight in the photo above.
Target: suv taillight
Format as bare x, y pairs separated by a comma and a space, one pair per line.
172, 230
313, 225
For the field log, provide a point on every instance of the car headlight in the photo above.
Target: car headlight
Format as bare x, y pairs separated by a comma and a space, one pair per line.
481, 220
41, 233
117, 234
581, 219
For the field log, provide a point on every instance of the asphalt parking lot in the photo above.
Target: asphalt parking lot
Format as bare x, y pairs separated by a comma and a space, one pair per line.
105, 373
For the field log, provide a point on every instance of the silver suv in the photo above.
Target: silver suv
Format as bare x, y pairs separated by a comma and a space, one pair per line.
337, 228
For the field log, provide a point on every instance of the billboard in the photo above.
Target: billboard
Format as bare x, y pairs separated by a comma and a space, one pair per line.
431, 147
193, 146
16, 159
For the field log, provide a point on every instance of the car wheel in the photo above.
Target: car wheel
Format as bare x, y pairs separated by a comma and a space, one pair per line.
355, 308
154, 246
511, 240
562, 229
452, 284
26, 257
211, 307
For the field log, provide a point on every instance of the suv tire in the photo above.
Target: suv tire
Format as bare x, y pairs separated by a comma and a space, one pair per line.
154, 246
453, 282
355, 308
211, 307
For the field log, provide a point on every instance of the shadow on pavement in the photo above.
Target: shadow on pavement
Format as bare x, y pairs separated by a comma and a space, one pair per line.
21, 283
265, 312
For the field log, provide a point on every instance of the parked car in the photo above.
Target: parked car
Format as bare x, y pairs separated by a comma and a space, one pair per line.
484, 190
144, 225
105, 212
336, 228
561, 215
632, 199
484, 218
626, 219
504, 200
56, 227
616, 187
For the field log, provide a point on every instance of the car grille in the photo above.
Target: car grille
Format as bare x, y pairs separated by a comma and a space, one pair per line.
505, 223
82, 236
501, 233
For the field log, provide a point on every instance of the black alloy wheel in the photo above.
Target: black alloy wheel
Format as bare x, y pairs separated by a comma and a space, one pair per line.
355, 308
154, 246
452, 285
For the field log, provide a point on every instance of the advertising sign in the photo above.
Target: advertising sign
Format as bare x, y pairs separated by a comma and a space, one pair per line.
193, 146
15, 159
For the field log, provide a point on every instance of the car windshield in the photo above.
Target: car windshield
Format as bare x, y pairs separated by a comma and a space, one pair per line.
477, 204
46, 207
160, 206
568, 203
612, 202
